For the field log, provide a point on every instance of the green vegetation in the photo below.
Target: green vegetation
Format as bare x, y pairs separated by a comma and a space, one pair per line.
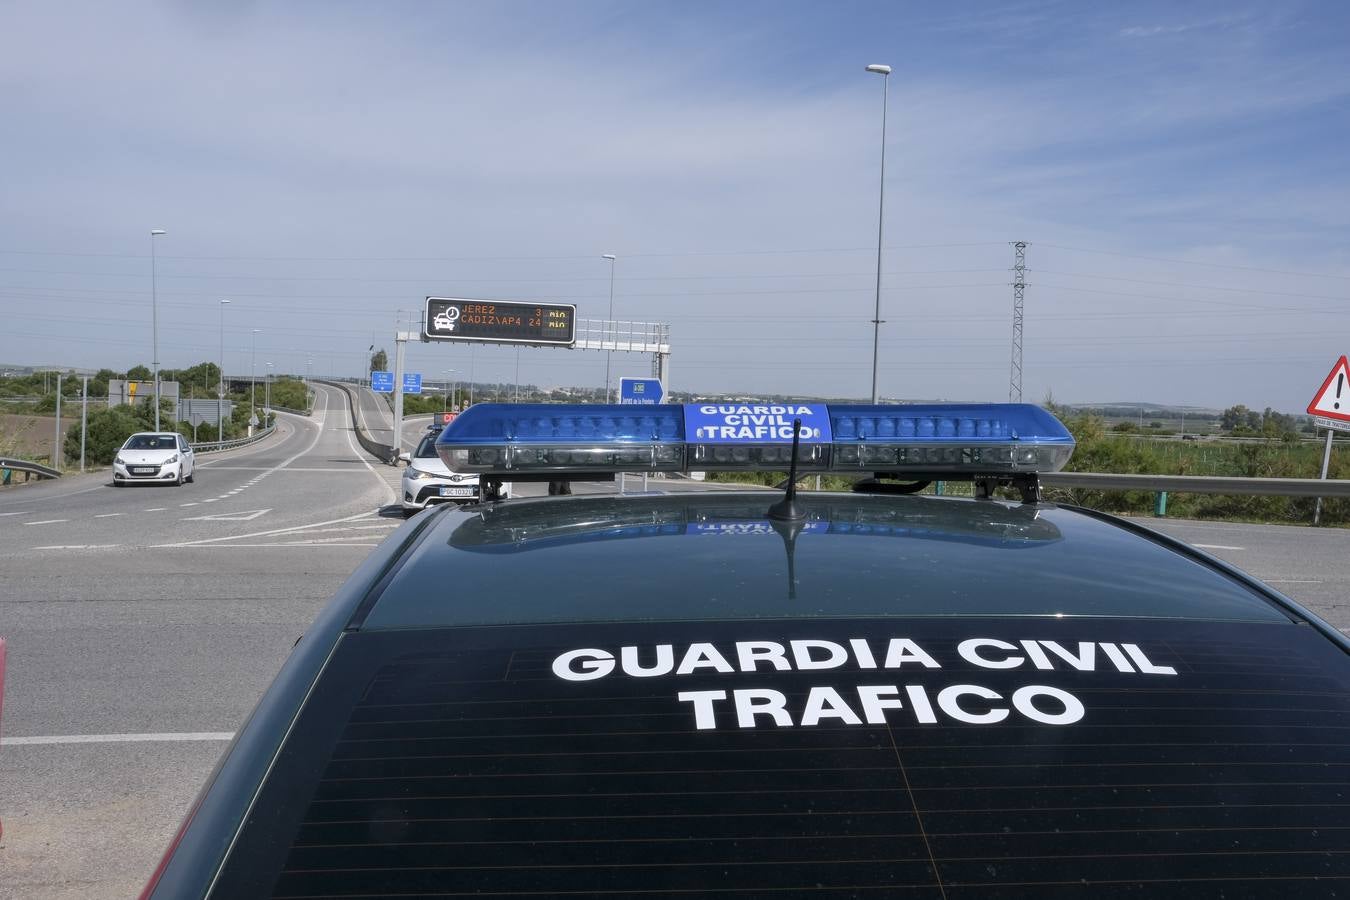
290, 393
1281, 454
109, 427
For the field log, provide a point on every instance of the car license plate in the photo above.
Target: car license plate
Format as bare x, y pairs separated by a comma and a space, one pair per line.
143, 470
459, 492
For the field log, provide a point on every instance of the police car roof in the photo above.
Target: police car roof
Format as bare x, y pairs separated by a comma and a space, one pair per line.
702, 556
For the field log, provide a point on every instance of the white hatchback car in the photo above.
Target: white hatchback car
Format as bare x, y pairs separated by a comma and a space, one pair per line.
427, 480
162, 457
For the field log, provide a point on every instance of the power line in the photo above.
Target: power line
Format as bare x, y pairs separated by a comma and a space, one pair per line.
577, 257
1191, 262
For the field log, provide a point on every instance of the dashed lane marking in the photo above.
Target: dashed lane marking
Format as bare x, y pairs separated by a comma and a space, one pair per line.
106, 515
46, 521
10, 514
154, 737
1217, 547
193, 503
155, 508
78, 547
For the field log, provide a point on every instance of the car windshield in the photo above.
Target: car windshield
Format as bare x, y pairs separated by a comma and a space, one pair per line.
426, 449
151, 442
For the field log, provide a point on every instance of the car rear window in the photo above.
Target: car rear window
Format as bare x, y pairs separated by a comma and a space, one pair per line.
971, 757
151, 442
427, 448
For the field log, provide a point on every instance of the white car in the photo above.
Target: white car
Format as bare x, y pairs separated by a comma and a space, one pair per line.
162, 457
445, 319
427, 480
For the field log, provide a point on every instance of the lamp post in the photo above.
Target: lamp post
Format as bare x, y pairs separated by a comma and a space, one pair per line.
609, 322
253, 377
267, 395
220, 394
445, 388
154, 320
885, 73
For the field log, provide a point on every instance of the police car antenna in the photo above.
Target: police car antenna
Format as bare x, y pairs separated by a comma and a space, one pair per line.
787, 510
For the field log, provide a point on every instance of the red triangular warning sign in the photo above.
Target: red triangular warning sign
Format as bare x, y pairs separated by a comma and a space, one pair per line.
1333, 398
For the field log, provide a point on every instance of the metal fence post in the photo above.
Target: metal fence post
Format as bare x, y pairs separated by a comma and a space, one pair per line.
1326, 461
1160, 504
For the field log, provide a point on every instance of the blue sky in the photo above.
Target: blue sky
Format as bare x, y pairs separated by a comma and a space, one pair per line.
1179, 171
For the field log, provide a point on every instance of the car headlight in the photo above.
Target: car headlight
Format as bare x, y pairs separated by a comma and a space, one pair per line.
417, 474
171, 459
119, 460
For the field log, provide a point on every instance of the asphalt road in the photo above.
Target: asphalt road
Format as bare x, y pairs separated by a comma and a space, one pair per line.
162, 613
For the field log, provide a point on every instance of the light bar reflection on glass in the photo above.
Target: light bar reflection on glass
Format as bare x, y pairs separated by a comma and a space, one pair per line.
932, 439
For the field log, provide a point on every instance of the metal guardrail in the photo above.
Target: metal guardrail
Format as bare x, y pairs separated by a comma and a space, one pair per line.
29, 469
217, 446
1199, 484
374, 448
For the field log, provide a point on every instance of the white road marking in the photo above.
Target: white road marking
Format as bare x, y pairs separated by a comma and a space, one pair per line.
12, 514
46, 522
154, 737
106, 515
257, 534
1217, 547
287, 544
193, 503
153, 508
247, 515
77, 547
211, 500
1290, 581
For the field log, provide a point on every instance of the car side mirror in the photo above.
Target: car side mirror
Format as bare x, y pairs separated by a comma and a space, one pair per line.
405, 457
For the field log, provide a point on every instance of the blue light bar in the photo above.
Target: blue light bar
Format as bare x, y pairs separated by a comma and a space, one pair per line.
512, 438
573, 440
948, 437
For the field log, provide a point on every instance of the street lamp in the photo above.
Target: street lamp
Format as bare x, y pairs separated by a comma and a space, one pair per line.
220, 394
610, 321
885, 73
253, 378
267, 394
154, 320
445, 385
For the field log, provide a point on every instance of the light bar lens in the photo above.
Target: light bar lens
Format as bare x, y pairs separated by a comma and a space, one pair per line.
503, 438
975, 438
948, 437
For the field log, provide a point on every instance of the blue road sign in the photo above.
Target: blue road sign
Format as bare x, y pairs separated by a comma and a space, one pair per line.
382, 382
412, 382
641, 391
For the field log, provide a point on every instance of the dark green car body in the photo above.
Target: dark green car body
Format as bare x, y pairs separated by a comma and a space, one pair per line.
896, 696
